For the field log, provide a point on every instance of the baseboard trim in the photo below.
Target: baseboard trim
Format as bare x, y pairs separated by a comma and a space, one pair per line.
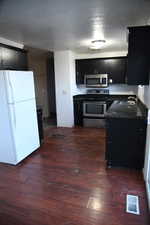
148, 193
147, 187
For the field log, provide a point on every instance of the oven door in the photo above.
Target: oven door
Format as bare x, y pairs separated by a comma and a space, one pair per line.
94, 109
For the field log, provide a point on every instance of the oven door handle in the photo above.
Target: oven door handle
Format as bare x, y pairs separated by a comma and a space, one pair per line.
100, 80
84, 108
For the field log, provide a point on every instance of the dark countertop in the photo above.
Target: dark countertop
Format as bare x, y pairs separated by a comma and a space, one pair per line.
116, 109
124, 109
106, 97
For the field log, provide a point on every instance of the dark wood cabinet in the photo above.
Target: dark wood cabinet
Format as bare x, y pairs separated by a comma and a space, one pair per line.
125, 142
40, 124
22, 60
138, 64
9, 58
78, 112
84, 67
12, 58
115, 68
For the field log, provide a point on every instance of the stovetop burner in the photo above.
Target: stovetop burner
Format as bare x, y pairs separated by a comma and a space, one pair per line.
98, 91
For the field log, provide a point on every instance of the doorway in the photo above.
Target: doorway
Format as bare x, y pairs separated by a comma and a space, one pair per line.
52, 121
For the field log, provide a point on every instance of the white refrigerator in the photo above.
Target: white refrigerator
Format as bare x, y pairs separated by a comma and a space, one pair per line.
19, 135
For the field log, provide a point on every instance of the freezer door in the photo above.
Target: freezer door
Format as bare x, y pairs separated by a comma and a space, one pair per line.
19, 85
25, 128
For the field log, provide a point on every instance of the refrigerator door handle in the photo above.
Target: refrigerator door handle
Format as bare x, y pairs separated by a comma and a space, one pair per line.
13, 114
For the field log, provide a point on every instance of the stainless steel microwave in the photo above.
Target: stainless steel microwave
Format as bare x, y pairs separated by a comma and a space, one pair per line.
96, 80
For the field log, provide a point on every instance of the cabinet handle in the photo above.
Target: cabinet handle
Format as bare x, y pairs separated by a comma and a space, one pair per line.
140, 129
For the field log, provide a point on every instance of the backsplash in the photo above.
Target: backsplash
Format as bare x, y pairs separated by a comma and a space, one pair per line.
113, 89
123, 89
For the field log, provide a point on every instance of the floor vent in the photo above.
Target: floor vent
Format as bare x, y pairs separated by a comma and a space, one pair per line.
132, 204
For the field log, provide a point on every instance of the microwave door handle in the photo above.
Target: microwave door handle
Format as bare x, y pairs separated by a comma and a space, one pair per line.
105, 81
84, 109
85, 80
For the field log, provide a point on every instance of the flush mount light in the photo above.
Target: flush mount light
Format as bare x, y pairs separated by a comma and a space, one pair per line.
97, 44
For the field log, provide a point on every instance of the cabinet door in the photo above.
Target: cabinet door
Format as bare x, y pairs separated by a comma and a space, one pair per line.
138, 69
13, 58
138, 56
79, 71
141, 142
78, 112
22, 60
84, 67
117, 69
117, 144
9, 58
125, 142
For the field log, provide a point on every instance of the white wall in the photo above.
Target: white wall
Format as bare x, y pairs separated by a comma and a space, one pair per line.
144, 95
113, 89
100, 54
64, 67
11, 43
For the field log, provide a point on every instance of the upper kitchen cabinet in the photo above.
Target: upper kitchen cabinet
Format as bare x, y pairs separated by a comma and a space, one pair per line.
115, 68
13, 58
22, 60
83, 67
138, 64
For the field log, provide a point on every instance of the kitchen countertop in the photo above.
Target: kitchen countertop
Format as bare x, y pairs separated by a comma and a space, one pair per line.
118, 106
106, 97
124, 109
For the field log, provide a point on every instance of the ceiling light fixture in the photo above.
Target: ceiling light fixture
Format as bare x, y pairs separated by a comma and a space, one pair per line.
97, 44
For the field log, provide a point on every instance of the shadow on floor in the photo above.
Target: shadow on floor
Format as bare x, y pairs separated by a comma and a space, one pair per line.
49, 122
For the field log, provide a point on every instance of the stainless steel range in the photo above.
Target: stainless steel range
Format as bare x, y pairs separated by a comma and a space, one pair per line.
94, 109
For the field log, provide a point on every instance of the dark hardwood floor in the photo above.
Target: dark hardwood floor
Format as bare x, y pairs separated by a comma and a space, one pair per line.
66, 183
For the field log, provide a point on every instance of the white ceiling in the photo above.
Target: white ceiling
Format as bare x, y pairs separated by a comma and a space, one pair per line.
71, 24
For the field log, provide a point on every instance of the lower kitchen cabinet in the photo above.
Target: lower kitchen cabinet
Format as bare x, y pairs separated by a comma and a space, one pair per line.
125, 142
40, 124
78, 112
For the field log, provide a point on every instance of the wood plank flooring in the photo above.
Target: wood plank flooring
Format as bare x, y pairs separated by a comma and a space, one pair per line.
66, 183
